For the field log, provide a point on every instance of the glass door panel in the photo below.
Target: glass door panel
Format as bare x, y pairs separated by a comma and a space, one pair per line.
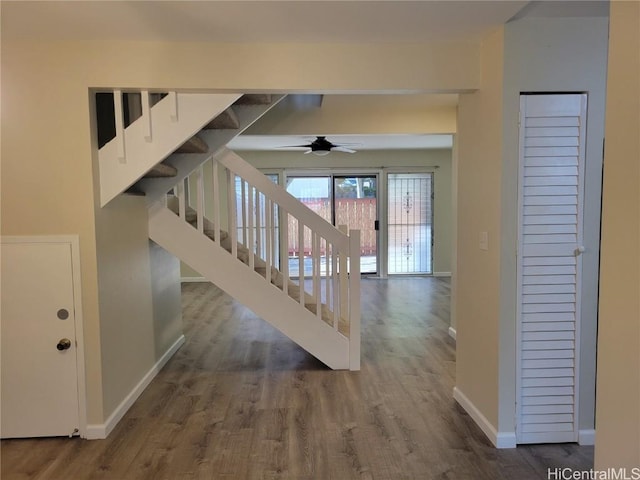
315, 193
355, 205
410, 221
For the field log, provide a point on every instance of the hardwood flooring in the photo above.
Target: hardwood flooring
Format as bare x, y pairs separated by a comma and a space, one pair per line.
241, 401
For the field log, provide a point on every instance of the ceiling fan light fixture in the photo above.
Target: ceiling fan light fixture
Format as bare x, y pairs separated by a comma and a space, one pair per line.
321, 147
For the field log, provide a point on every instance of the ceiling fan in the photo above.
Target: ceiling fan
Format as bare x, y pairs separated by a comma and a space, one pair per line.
322, 146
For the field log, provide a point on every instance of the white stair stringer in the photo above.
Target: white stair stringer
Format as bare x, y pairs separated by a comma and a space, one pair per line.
154, 136
248, 287
216, 140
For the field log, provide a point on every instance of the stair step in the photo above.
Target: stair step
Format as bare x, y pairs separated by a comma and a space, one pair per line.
194, 145
276, 276
211, 234
254, 99
243, 252
293, 291
162, 170
134, 192
191, 216
327, 315
227, 120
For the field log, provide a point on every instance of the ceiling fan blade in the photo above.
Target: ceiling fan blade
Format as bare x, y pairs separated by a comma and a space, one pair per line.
306, 145
341, 148
308, 151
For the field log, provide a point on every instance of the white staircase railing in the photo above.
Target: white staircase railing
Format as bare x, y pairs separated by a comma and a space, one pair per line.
275, 236
158, 132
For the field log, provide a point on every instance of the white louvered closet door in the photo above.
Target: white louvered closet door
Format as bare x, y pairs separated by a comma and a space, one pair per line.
552, 144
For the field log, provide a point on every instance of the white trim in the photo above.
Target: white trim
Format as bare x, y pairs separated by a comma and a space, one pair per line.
441, 274
74, 242
192, 279
100, 431
587, 437
78, 317
499, 439
452, 332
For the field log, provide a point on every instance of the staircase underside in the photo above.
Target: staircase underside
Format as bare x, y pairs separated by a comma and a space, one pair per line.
248, 286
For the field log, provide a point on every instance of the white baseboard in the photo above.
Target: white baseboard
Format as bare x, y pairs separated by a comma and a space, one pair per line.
100, 431
452, 332
193, 279
587, 437
499, 439
441, 274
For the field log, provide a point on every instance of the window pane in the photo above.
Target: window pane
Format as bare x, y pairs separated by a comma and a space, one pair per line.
410, 214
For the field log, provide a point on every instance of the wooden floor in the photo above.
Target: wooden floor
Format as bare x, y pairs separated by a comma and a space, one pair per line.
241, 401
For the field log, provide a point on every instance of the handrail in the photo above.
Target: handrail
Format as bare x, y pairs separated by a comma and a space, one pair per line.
155, 132
290, 203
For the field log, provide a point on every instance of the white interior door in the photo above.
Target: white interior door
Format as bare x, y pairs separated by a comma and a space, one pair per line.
38, 372
552, 153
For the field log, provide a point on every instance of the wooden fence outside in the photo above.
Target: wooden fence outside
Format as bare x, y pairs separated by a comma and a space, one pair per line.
356, 213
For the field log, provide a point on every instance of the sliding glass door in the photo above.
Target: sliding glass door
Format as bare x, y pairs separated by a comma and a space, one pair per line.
315, 193
410, 223
341, 200
355, 205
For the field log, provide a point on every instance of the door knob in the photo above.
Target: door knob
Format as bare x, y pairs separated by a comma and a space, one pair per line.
64, 344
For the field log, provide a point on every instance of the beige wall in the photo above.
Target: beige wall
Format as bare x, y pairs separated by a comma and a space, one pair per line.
47, 183
126, 304
542, 55
166, 298
477, 294
618, 400
553, 55
47, 167
363, 114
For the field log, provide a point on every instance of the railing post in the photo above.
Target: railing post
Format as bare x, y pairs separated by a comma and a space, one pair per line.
258, 236
315, 262
268, 218
246, 223
182, 208
354, 300
215, 190
301, 260
231, 208
335, 288
252, 225
343, 268
173, 98
146, 115
200, 198
284, 248
117, 106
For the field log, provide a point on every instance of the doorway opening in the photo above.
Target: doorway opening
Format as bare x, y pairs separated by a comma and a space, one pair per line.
350, 200
410, 223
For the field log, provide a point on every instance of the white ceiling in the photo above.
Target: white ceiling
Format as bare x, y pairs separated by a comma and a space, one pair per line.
359, 21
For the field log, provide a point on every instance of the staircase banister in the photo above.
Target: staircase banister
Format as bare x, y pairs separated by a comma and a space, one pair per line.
311, 219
